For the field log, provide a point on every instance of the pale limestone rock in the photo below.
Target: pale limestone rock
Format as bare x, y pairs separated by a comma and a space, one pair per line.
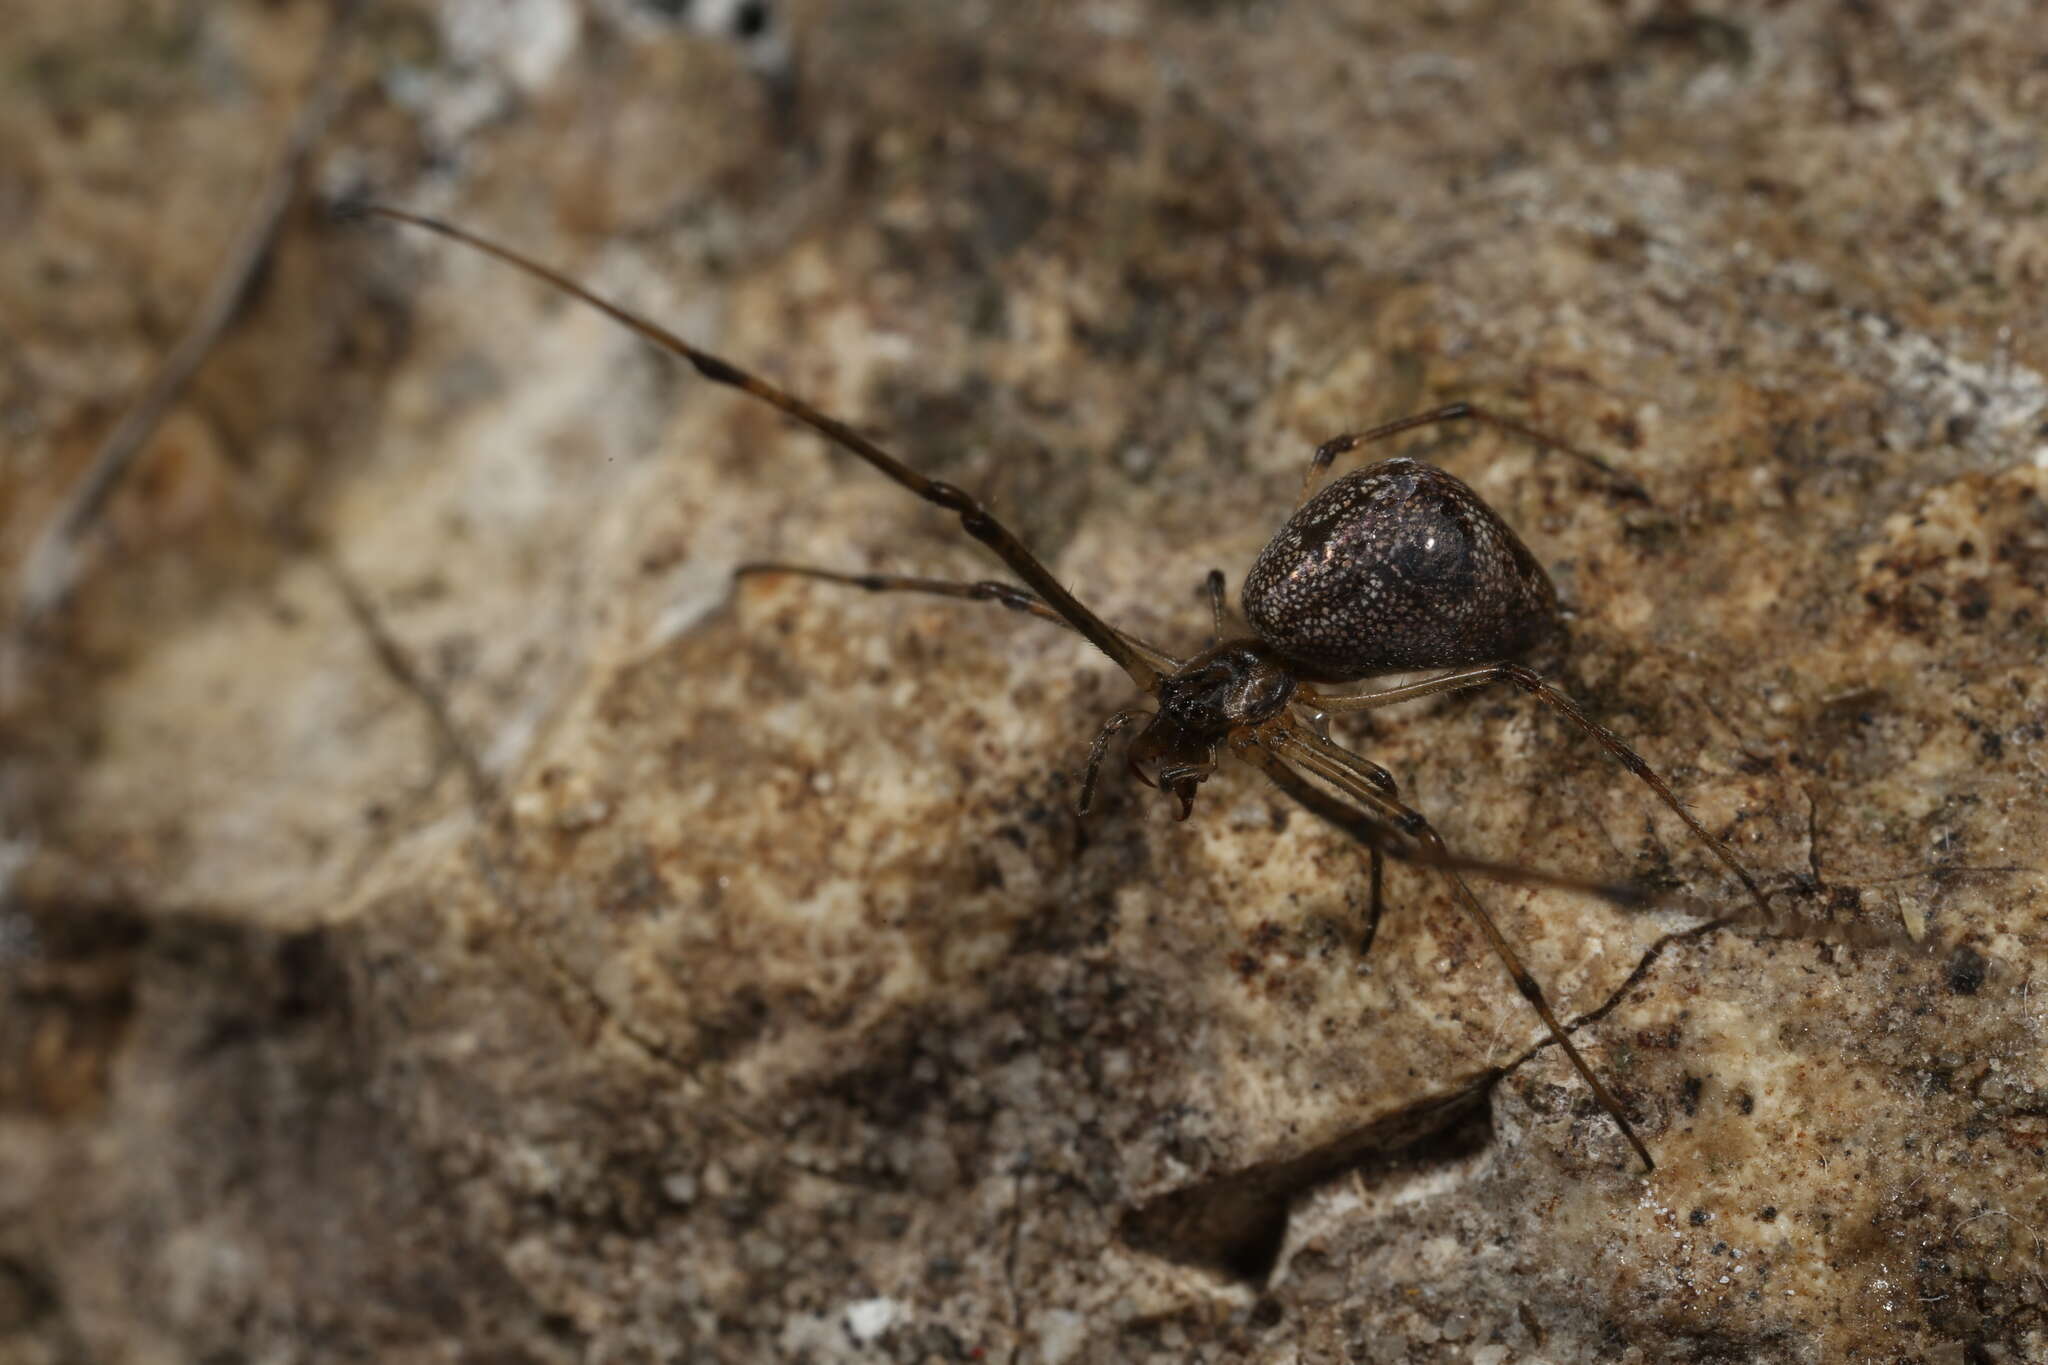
772, 1003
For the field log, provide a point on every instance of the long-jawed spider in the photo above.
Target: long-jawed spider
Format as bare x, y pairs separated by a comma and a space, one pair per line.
1395, 567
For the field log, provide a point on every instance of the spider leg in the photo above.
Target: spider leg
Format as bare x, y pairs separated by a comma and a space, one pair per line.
1385, 816
1002, 594
1100, 747
1329, 450
1366, 826
1372, 772
1535, 684
975, 519
1213, 584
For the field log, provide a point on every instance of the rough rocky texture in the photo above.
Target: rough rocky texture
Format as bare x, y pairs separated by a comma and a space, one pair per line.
446, 922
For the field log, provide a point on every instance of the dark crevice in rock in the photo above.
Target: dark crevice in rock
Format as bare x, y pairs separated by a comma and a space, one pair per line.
1235, 1224
28, 1298
67, 1000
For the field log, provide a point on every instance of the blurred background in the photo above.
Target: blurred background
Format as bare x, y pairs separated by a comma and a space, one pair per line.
445, 919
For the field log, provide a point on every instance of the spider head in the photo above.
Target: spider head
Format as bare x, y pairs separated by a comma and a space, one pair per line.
1226, 686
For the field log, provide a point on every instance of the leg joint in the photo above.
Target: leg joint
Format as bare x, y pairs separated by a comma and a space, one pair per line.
1016, 599
718, 371
953, 499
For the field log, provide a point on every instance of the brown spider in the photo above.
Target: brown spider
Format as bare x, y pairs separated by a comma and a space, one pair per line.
1395, 567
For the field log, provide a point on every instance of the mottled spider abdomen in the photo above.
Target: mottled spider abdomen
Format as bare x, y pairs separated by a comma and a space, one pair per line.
1394, 567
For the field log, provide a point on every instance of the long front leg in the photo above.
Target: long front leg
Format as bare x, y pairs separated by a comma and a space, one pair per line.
987, 590
1548, 693
975, 519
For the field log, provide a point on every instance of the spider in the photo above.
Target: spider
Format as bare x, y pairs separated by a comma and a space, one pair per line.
1396, 567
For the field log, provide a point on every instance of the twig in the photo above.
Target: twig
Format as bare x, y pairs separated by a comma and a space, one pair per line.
52, 565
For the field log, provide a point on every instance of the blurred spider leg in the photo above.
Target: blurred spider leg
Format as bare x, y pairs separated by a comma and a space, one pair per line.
1316, 754
1536, 685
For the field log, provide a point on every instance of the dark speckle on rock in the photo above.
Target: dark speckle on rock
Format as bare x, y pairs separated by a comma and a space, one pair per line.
1965, 970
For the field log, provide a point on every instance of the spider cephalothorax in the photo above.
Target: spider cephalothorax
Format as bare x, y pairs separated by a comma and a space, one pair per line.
1227, 686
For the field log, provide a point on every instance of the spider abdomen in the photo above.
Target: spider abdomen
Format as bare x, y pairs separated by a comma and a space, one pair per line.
1393, 567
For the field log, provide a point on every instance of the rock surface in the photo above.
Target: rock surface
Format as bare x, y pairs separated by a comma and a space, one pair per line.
446, 920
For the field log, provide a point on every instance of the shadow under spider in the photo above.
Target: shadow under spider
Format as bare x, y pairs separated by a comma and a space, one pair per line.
1392, 568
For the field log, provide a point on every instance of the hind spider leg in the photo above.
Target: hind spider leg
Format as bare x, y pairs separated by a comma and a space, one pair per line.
1552, 696
1361, 825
